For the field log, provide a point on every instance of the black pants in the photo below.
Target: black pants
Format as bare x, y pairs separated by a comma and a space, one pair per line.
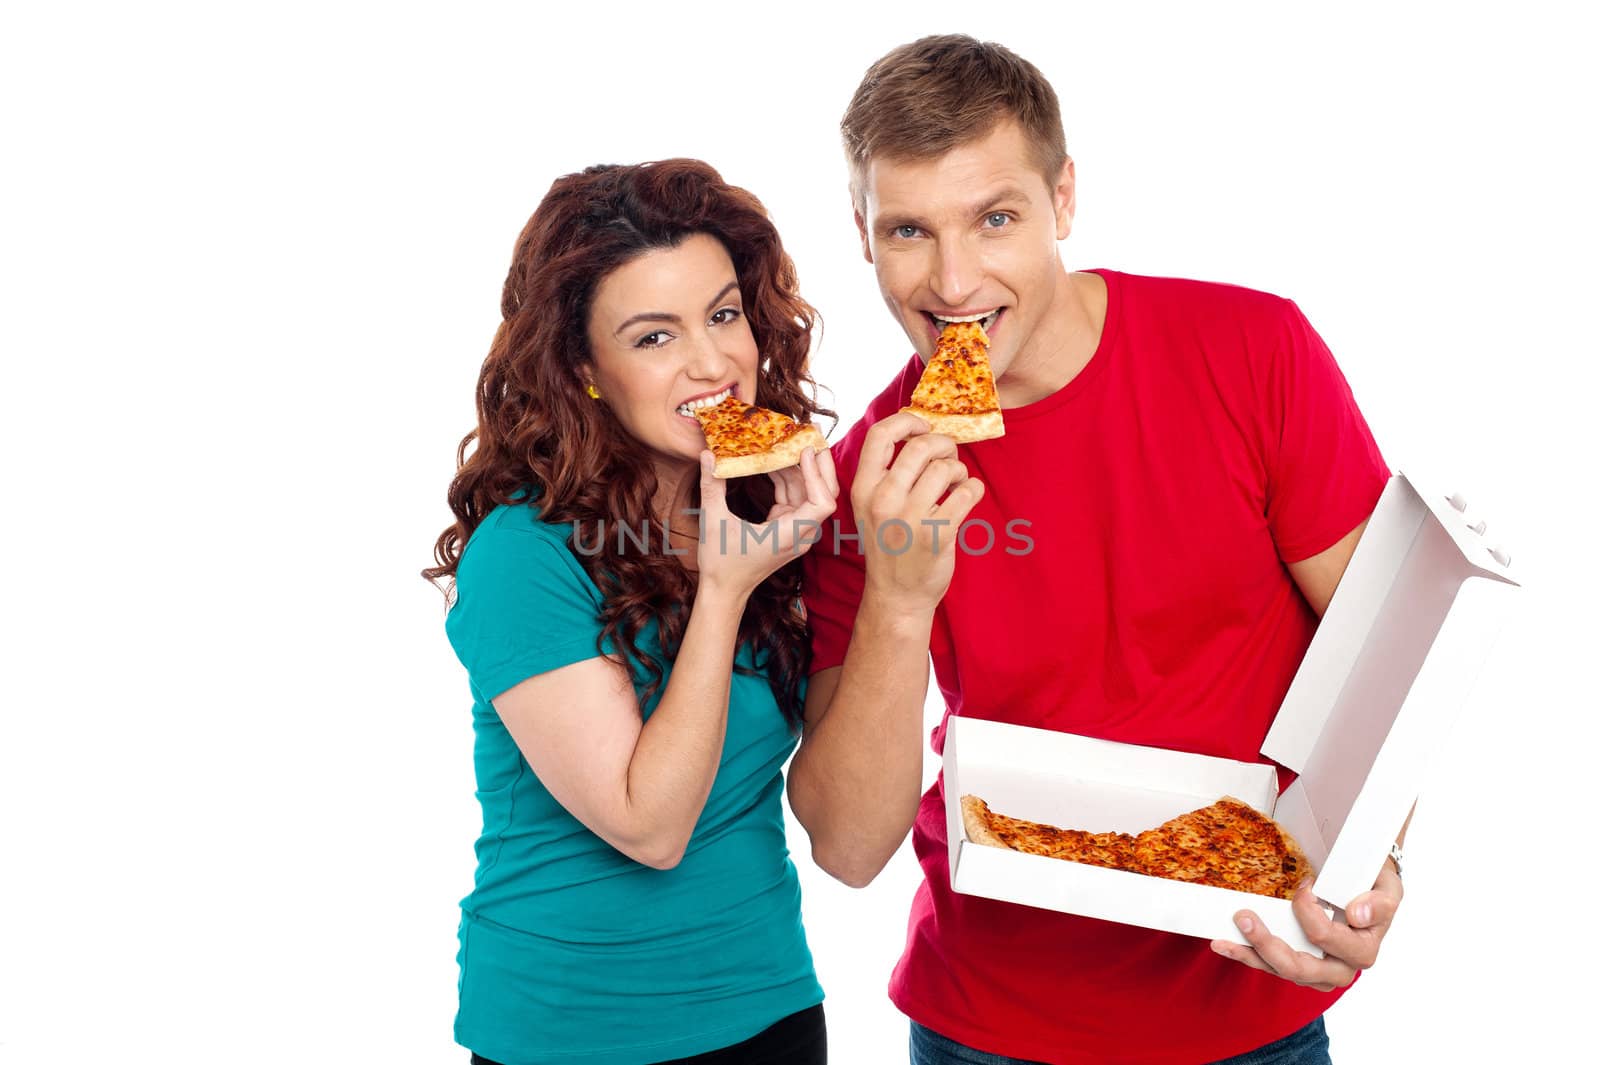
799, 1039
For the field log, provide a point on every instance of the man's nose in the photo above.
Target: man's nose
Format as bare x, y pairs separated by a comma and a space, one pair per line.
957, 274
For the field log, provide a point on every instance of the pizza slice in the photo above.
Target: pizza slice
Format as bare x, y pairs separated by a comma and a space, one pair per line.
956, 395
748, 440
1229, 844
1110, 850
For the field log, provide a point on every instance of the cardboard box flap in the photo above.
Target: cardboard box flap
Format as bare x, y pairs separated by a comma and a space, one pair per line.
1320, 806
1404, 532
1392, 639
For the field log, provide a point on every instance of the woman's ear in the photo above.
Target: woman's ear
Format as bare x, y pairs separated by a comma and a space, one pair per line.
586, 380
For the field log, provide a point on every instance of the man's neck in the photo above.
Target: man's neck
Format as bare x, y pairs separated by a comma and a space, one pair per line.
1062, 344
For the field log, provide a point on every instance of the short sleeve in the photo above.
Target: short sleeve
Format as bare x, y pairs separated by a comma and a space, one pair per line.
1324, 469
524, 606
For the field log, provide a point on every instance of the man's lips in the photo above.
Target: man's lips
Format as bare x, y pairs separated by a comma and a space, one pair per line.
989, 322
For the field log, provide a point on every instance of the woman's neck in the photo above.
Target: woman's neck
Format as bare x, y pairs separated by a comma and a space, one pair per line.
674, 491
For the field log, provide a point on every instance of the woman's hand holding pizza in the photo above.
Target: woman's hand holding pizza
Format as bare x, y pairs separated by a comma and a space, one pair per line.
736, 556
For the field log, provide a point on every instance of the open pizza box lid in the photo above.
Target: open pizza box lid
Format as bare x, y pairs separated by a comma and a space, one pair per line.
1391, 663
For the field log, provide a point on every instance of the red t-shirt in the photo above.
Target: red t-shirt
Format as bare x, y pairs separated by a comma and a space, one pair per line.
1210, 440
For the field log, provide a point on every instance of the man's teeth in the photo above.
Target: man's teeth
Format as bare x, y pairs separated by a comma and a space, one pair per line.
986, 319
688, 409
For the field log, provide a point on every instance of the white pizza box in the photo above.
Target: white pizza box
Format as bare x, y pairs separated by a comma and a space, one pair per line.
1392, 661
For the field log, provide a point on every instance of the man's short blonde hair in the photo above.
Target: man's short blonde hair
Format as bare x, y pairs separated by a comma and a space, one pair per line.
938, 93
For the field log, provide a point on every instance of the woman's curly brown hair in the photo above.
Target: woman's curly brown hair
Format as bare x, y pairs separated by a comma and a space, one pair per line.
538, 430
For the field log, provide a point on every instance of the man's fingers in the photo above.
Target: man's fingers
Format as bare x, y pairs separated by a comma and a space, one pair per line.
1333, 938
1241, 953
914, 458
959, 503
1291, 964
937, 479
1314, 920
1372, 909
1247, 956
878, 448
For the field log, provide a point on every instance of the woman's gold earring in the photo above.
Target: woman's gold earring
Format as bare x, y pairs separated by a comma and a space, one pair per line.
594, 393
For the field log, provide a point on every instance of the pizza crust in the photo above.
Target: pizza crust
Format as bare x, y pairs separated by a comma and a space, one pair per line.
975, 818
963, 428
782, 455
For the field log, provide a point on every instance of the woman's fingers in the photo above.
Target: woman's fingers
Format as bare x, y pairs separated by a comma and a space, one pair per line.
782, 495
713, 489
830, 476
816, 484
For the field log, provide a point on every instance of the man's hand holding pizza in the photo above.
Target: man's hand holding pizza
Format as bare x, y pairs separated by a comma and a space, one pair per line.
908, 509
856, 781
1349, 947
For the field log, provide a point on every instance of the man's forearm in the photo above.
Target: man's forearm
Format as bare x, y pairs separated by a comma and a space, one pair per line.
856, 781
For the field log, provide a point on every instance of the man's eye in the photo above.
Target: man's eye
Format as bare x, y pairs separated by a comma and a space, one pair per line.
905, 232
998, 219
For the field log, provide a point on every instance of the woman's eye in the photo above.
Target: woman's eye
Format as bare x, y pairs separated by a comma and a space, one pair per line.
727, 314
651, 340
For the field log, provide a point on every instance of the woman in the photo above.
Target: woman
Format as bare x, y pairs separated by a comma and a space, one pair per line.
637, 663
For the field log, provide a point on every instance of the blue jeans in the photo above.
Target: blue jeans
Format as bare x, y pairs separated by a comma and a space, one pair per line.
1308, 1046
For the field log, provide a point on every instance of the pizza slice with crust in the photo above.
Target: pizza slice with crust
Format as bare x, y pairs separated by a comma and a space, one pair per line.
748, 440
956, 395
1228, 844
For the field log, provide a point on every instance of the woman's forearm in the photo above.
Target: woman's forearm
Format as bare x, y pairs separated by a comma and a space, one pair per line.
675, 760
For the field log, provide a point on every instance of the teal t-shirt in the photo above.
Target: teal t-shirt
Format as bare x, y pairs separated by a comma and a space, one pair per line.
570, 950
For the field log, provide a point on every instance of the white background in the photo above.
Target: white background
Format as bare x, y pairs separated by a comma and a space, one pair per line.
252, 261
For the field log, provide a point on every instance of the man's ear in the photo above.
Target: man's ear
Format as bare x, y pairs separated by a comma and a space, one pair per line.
861, 228
1065, 195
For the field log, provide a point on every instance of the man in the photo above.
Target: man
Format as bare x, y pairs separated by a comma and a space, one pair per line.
1185, 474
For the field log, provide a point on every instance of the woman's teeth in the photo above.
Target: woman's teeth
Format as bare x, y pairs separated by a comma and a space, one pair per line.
688, 409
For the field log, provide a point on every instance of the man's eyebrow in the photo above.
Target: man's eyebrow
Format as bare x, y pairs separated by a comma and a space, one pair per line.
890, 222
1002, 195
